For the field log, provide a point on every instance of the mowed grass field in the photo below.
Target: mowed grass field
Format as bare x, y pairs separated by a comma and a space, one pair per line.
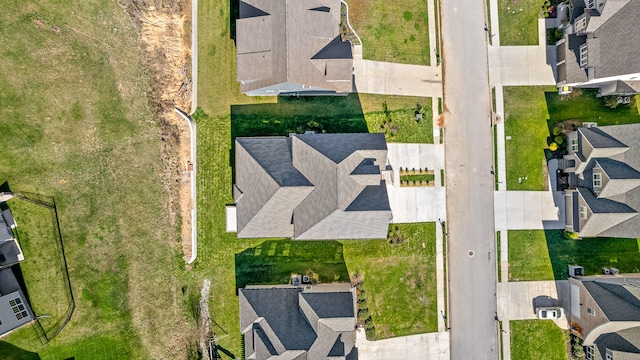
537, 339
546, 255
76, 124
394, 275
519, 21
393, 31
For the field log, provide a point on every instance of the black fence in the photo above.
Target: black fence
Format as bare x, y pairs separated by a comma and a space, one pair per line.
45, 335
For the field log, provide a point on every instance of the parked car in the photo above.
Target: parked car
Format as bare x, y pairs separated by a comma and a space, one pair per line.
550, 313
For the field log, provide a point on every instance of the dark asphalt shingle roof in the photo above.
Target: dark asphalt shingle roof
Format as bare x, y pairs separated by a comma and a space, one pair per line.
603, 205
337, 147
616, 301
600, 139
270, 316
625, 341
617, 169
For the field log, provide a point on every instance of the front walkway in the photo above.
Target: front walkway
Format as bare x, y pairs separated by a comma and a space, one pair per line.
432, 346
416, 204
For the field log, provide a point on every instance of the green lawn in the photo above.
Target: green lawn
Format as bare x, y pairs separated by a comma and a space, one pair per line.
393, 31
519, 21
337, 114
585, 106
537, 339
529, 114
77, 124
43, 269
546, 255
526, 115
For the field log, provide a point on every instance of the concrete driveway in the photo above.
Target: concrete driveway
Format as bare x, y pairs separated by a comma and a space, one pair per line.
522, 65
528, 210
518, 300
432, 346
377, 77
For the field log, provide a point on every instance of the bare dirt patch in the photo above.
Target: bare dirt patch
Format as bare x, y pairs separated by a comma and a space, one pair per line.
164, 31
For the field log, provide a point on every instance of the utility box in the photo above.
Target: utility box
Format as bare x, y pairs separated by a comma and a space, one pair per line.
575, 270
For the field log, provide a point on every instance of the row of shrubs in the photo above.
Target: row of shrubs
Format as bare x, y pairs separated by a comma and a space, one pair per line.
364, 317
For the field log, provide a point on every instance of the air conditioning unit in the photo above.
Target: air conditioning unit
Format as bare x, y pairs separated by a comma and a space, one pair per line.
575, 270
589, 124
614, 271
605, 271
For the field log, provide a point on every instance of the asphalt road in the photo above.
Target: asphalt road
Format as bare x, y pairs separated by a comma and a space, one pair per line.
470, 183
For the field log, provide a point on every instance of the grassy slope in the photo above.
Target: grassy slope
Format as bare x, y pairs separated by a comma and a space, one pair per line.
546, 255
394, 31
525, 121
76, 124
519, 21
537, 339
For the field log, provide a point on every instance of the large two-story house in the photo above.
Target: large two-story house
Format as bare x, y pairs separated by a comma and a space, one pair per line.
292, 47
605, 314
600, 48
603, 194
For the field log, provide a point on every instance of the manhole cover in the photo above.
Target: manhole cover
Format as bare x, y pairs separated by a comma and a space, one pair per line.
471, 253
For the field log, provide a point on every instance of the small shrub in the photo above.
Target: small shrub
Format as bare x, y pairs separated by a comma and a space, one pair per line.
363, 313
554, 35
371, 333
557, 130
559, 140
611, 102
569, 235
553, 146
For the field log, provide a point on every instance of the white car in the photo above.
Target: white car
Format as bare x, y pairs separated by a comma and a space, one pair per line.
550, 313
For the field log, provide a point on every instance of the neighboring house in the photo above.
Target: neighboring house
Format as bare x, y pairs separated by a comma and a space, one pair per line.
600, 48
605, 313
312, 186
298, 323
14, 307
292, 47
602, 198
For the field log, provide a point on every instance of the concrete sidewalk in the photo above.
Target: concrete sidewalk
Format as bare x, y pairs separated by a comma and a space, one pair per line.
432, 346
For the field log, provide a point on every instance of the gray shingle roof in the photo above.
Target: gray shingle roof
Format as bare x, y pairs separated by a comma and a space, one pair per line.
616, 300
603, 205
330, 190
625, 344
274, 322
278, 40
600, 139
617, 169
613, 44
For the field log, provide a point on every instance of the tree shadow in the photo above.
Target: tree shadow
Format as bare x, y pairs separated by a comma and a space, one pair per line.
592, 254
322, 114
11, 352
273, 262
